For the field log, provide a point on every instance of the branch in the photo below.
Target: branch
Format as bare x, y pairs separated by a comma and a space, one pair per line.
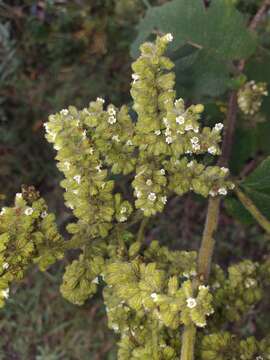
141, 231
254, 211
188, 341
259, 16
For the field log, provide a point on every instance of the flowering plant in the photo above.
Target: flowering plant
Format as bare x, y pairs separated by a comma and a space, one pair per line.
151, 293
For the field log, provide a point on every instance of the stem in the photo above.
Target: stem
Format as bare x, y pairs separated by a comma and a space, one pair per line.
188, 342
142, 229
254, 211
208, 241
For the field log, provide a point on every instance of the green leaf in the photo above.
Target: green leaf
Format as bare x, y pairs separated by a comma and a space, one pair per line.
259, 179
218, 35
238, 211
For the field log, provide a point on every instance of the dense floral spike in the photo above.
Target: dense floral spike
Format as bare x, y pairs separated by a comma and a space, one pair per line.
168, 134
250, 97
28, 235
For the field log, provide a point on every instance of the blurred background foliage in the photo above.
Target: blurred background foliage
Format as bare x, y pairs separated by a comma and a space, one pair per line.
54, 53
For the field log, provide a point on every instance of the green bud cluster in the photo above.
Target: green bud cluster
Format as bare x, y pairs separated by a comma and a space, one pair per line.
81, 278
236, 294
28, 235
225, 346
250, 97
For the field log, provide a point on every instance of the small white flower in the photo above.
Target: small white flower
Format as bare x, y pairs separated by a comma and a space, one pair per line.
111, 111
164, 199
213, 193
169, 140
250, 282
194, 140
218, 126
95, 281
165, 121
129, 143
77, 178
5, 265
224, 169
180, 120
3, 211
98, 167
169, 37
190, 164
196, 130
259, 357
196, 147
201, 324
67, 165
149, 182
154, 296
168, 131
116, 138
222, 191
152, 196
44, 214
123, 218
5, 293
19, 195
135, 77
111, 120
157, 132
191, 302
162, 171
28, 211
99, 99
188, 127
64, 112
123, 210
212, 150
138, 193
115, 327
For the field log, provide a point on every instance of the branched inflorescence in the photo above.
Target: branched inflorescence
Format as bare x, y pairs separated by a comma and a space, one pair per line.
148, 289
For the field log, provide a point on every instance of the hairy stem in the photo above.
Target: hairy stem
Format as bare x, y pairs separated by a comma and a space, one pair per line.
142, 229
188, 341
208, 241
254, 211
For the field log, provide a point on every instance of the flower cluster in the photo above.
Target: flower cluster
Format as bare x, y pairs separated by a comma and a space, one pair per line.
250, 97
28, 235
